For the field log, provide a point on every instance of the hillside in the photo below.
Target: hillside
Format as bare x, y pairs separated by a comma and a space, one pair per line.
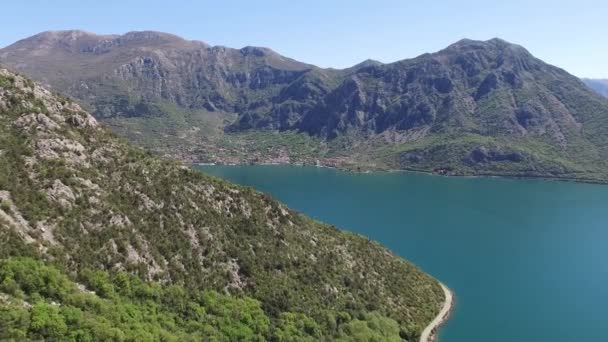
475, 107
92, 213
598, 85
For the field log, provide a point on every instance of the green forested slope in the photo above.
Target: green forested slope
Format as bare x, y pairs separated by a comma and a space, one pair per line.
77, 198
38, 302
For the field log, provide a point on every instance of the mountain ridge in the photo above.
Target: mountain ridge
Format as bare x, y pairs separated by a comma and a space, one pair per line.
598, 85
505, 111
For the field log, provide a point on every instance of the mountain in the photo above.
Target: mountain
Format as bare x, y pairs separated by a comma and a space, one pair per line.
155, 66
100, 238
473, 108
598, 85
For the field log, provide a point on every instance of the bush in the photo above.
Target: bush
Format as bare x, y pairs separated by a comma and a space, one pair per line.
5, 205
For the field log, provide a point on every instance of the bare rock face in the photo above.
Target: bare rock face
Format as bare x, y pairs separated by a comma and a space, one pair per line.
10, 214
237, 283
82, 121
36, 121
482, 154
61, 194
68, 150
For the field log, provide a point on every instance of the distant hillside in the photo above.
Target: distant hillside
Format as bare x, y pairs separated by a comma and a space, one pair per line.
476, 107
600, 86
170, 253
143, 67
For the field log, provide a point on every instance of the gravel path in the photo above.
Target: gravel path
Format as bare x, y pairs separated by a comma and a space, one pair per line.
429, 333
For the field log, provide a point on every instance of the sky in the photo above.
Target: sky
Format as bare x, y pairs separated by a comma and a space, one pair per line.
340, 33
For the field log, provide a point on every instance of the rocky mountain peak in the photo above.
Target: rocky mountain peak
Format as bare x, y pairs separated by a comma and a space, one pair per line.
496, 47
66, 36
155, 37
366, 63
257, 51
150, 35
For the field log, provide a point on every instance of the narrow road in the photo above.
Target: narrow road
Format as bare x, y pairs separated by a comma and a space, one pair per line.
428, 334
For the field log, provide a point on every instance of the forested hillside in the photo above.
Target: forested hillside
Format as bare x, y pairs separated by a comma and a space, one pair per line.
166, 250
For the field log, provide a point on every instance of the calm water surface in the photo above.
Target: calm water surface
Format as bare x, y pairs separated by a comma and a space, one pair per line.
527, 259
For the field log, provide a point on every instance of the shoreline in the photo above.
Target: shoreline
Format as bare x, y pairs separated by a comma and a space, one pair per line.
432, 173
429, 334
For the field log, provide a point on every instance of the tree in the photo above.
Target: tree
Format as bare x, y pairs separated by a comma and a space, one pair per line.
47, 322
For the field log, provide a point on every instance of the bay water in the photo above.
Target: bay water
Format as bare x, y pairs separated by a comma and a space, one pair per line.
527, 259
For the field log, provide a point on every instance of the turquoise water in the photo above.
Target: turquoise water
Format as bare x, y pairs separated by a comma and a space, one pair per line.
527, 259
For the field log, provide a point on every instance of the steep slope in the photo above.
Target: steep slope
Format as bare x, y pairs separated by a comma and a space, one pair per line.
147, 67
476, 107
40, 302
76, 196
598, 85
165, 93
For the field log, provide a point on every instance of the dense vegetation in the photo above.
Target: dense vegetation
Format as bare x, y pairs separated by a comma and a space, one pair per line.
75, 198
38, 302
476, 107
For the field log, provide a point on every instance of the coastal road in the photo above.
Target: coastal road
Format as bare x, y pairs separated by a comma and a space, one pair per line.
429, 333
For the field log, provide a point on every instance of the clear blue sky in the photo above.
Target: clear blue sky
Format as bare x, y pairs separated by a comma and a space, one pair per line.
340, 33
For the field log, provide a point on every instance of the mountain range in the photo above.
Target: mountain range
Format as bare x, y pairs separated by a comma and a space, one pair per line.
599, 85
473, 108
103, 240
